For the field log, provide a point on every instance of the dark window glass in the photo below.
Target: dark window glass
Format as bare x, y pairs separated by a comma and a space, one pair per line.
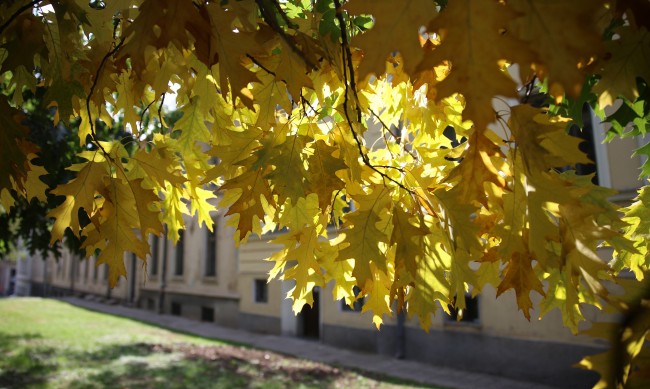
211, 253
207, 314
180, 254
261, 291
469, 315
176, 308
154, 255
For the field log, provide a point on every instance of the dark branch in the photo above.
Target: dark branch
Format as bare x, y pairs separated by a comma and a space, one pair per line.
160, 119
398, 138
19, 11
144, 111
267, 15
348, 78
92, 90
256, 62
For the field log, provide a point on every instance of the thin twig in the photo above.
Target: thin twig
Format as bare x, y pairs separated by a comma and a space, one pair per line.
348, 78
162, 102
19, 11
398, 138
270, 20
145, 111
92, 90
256, 62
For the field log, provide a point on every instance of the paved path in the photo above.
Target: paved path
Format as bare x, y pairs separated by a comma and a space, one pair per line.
405, 369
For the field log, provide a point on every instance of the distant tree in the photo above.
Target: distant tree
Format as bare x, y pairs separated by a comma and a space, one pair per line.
466, 184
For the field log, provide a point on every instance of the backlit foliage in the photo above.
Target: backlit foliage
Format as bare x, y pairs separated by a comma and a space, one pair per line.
392, 140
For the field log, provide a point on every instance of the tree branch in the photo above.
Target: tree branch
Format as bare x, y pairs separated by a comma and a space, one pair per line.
256, 62
270, 20
348, 78
398, 138
19, 11
92, 91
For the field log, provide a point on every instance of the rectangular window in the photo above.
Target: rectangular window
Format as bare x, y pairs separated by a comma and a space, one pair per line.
176, 308
211, 252
207, 314
261, 291
154, 255
468, 315
357, 305
86, 266
77, 274
180, 253
95, 269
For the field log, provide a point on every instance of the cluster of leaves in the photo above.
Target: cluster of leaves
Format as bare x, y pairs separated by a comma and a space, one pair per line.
392, 140
27, 221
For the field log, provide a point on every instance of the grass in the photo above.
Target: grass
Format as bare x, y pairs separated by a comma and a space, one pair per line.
51, 344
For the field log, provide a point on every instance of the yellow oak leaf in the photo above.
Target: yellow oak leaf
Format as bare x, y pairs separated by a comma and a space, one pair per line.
201, 201
160, 165
627, 58
321, 174
231, 156
305, 212
543, 141
127, 99
147, 206
193, 127
120, 239
34, 187
482, 162
408, 237
290, 174
562, 294
476, 66
520, 276
307, 272
247, 191
269, 95
173, 209
159, 23
637, 216
396, 28
564, 45
363, 236
80, 193
377, 295
230, 46
287, 66
430, 287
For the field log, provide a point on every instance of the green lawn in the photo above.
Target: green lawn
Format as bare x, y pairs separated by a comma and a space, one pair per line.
51, 344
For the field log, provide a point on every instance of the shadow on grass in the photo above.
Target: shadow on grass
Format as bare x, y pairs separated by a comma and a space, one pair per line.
25, 360
145, 365
202, 366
